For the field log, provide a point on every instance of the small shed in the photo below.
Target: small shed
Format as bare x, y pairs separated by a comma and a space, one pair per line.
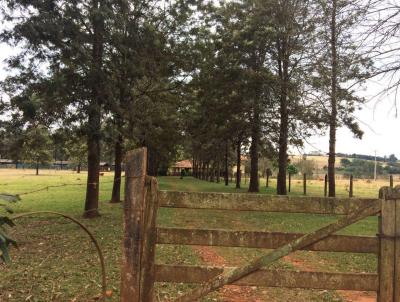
61, 164
6, 163
185, 165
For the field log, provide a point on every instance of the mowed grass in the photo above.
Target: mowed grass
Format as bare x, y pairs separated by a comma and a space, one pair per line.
56, 262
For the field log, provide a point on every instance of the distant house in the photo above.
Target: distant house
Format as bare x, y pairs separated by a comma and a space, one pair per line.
185, 165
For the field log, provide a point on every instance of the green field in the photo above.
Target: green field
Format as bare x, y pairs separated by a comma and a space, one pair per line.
56, 262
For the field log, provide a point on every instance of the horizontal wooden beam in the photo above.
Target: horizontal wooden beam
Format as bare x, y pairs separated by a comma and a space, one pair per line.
261, 202
272, 278
267, 240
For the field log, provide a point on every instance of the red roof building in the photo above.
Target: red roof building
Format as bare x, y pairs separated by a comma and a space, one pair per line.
185, 165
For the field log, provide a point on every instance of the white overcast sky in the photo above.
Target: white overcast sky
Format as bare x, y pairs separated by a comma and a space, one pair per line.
377, 119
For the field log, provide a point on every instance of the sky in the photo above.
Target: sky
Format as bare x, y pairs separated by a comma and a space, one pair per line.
380, 126
377, 119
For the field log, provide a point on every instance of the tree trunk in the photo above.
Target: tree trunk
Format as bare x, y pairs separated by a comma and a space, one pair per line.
37, 167
218, 171
202, 171
94, 114
226, 176
333, 116
212, 172
116, 191
92, 190
254, 185
194, 166
152, 163
284, 119
79, 168
238, 163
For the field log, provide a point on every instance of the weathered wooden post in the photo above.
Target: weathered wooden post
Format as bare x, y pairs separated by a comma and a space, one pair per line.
387, 232
396, 196
140, 211
290, 182
326, 185
351, 186
391, 181
305, 184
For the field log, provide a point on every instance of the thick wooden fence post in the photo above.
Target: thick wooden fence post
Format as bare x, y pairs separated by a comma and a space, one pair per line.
351, 186
326, 185
397, 248
305, 184
147, 269
140, 210
387, 247
391, 181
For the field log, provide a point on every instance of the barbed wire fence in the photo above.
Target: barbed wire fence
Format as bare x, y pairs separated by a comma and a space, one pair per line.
46, 188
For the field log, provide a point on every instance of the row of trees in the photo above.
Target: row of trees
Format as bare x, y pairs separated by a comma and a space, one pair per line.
274, 73
191, 78
92, 65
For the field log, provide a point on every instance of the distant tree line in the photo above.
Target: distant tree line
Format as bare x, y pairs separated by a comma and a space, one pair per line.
386, 159
366, 168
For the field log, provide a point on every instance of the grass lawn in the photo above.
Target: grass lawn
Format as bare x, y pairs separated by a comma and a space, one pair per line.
56, 262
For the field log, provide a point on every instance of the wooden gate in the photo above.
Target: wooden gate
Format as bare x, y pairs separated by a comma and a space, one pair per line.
142, 199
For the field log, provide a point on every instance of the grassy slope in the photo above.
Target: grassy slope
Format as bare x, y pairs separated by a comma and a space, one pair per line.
56, 263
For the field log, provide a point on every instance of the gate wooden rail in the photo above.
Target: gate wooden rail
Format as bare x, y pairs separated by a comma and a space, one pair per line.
142, 199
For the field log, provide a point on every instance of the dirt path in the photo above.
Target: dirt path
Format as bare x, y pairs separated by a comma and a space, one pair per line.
347, 295
353, 296
231, 293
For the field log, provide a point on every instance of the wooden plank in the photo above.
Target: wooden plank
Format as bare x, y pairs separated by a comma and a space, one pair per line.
272, 278
387, 247
260, 202
132, 224
267, 240
267, 259
147, 268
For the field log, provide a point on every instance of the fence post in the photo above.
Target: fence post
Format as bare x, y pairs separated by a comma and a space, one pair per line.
140, 210
397, 247
290, 181
305, 184
387, 232
391, 181
351, 186
136, 166
326, 185
147, 269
